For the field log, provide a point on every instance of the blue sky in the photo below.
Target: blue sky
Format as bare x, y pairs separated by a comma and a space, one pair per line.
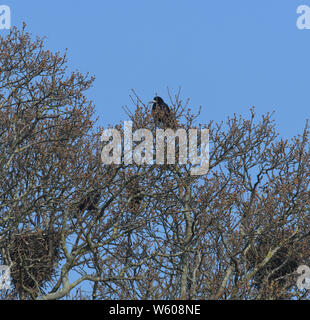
226, 55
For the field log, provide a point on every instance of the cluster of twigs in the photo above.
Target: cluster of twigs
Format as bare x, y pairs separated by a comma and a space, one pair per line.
32, 256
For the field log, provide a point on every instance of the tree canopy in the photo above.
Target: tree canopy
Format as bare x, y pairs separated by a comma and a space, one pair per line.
69, 222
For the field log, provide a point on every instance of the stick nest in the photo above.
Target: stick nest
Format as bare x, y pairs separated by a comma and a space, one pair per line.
33, 257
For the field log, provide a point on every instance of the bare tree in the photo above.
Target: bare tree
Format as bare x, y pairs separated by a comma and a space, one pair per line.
128, 231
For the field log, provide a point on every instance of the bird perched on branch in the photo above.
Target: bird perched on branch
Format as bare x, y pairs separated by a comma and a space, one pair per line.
135, 196
90, 201
161, 112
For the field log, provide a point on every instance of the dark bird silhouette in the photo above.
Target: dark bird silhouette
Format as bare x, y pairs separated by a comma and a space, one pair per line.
135, 202
135, 196
161, 112
90, 201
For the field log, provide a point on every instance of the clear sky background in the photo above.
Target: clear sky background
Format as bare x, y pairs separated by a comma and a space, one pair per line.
226, 55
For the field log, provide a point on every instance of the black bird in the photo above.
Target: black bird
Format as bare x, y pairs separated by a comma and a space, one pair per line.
160, 112
90, 201
134, 193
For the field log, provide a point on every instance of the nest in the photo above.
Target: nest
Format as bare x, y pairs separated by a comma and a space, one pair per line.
278, 268
33, 257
